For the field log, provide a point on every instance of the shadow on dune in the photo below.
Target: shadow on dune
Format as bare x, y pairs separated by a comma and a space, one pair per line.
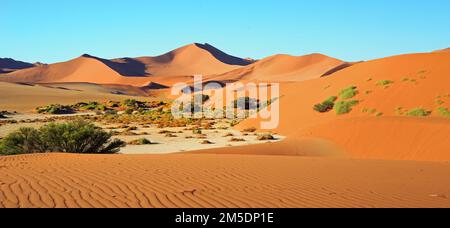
13, 64
127, 67
338, 68
223, 57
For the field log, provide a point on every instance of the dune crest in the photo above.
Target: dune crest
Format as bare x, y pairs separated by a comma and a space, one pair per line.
283, 68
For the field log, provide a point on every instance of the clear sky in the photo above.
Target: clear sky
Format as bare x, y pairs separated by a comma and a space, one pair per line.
58, 30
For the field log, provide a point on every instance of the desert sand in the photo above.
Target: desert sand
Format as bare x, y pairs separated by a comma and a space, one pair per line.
64, 180
374, 156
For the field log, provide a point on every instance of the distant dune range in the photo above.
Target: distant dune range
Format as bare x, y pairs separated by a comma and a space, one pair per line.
375, 156
9, 65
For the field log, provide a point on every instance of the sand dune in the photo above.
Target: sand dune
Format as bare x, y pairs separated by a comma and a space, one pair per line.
9, 65
282, 68
417, 81
165, 69
25, 98
444, 50
193, 59
62, 180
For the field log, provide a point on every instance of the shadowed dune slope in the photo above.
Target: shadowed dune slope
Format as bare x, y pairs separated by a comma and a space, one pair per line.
223, 181
282, 68
8, 65
416, 81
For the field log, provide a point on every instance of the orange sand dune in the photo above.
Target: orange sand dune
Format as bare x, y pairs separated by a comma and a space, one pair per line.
25, 98
444, 50
224, 181
281, 68
82, 69
193, 59
166, 69
418, 81
391, 138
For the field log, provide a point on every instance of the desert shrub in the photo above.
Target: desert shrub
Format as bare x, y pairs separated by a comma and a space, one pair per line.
110, 112
2, 116
206, 142
129, 111
418, 112
237, 140
348, 93
246, 103
344, 107
439, 102
131, 103
72, 137
384, 82
55, 109
197, 131
444, 112
142, 141
325, 106
265, 137
249, 130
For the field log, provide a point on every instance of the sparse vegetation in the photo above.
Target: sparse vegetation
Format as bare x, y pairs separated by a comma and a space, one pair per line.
265, 137
325, 106
348, 93
55, 109
379, 114
384, 83
344, 107
229, 135
237, 140
418, 112
141, 141
206, 142
249, 130
439, 102
72, 137
246, 103
444, 112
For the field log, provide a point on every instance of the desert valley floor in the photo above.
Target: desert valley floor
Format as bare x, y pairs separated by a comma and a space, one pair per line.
388, 145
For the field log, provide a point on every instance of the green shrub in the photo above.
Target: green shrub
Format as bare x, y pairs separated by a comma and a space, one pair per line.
344, 107
197, 131
418, 112
384, 82
71, 137
325, 106
129, 111
55, 109
246, 103
348, 93
439, 102
444, 112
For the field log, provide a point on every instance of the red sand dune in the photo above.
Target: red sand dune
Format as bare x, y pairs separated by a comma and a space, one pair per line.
282, 68
427, 80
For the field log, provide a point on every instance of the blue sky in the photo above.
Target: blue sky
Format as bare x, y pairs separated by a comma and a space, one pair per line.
51, 31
